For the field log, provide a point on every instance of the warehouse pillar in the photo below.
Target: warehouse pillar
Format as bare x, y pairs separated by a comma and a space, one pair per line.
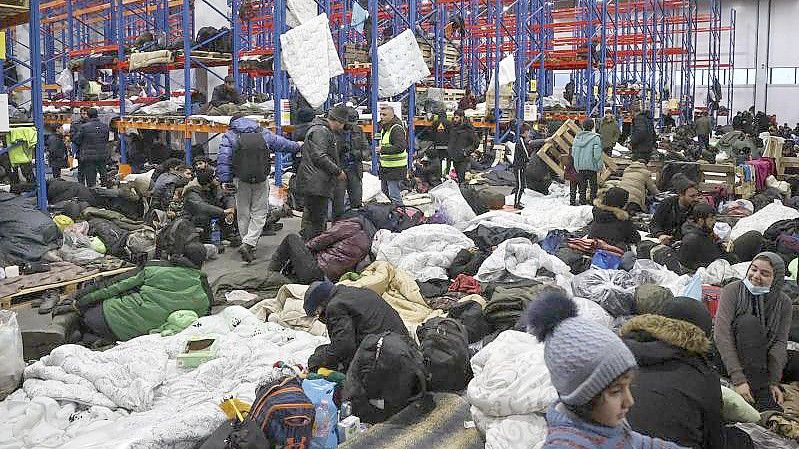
761, 53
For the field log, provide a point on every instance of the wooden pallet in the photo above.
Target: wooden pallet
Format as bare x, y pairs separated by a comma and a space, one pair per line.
65, 287
197, 54
561, 143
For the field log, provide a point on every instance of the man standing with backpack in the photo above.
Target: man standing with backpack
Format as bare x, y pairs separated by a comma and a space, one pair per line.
244, 155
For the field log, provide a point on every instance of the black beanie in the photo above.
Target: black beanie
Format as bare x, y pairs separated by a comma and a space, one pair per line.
205, 177
690, 310
616, 197
195, 252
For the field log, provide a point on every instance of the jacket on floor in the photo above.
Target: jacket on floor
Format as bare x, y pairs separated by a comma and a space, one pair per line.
143, 301
609, 132
698, 249
637, 181
613, 225
565, 430
352, 314
669, 218
343, 246
92, 141
774, 312
672, 367
224, 161
398, 144
587, 151
319, 165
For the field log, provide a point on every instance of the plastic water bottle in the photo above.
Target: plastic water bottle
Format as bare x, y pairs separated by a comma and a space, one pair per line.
216, 233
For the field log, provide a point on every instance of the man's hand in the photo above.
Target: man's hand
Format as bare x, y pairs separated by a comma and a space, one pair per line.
230, 211
665, 239
745, 392
776, 393
342, 176
228, 187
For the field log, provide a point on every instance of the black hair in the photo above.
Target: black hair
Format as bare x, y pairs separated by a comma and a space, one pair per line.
588, 124
701, 211
91, 113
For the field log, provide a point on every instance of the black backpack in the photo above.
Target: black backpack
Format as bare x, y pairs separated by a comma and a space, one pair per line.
203, 35
387, 369
470, 315
394, 218
445, 347
251, 162
173, 238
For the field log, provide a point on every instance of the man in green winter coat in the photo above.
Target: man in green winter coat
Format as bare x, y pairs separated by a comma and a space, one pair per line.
587, 154
703, 126
135, 305
609, 133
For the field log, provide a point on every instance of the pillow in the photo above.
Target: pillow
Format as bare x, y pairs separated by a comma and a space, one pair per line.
735, 409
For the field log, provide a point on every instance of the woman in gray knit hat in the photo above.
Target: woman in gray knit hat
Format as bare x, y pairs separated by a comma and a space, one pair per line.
591, 369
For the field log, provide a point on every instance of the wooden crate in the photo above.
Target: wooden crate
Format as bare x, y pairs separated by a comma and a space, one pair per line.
561, 143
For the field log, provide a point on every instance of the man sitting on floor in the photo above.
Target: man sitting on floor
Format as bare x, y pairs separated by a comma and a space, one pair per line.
672, 212
350, 314
203, 201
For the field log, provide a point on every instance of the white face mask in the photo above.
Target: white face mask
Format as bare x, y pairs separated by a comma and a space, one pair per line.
754, 289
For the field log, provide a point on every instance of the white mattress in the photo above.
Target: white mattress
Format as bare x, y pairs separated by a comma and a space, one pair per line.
400, 65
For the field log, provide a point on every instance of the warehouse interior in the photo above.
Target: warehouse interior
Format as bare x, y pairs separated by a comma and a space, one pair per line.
404, 224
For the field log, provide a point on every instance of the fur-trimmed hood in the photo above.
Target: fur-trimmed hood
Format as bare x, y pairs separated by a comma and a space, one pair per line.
646, 333
620, 214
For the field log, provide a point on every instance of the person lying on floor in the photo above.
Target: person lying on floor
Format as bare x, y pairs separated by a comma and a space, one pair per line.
350, 314
138, 303
203, 201
751, 333
672, 353
672, 212
611, 222
328, 255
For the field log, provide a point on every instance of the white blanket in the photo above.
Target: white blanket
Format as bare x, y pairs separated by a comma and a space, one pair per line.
517, 259
762, 219
539, 216
425, 251
182, 407
400, 65
311, 59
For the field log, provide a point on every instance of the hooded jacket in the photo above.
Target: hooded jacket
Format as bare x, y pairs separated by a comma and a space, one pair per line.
637, 181
669, 218
224, 162
775, 315
698, 249
613, 225
92, 141
134, 305
343, 246
319, 165
609, 132
350, 315
462, 140
566, 430
672, 367
587, 151
642, 134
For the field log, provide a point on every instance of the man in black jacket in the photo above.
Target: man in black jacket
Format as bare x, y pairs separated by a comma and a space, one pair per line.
56, 151
92, 142
672, 212
319, 170
642, 136
462, 140
350, 314
392, 155
226, 93
203, 201
352, 147
699, 247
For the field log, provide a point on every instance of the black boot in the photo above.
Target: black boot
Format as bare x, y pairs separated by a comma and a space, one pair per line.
247, 252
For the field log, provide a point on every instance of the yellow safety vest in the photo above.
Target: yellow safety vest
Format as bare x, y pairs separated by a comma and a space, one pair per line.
392, 160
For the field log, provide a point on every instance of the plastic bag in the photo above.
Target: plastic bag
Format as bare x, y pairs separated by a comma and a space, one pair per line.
722, 230
449, 200
320, 392
77, 247
10, 353
694, 288
605, 260
612, 289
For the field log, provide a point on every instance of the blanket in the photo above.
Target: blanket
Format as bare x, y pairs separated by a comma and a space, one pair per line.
167, 407
286, 309
762, 219
518, 259
311, 59
400, 290
541, 215
425, 251
141, 60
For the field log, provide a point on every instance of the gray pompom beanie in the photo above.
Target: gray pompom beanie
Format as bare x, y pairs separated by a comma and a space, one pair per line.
583, 357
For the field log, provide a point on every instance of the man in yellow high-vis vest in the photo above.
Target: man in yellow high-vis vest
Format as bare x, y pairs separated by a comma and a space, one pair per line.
392, 154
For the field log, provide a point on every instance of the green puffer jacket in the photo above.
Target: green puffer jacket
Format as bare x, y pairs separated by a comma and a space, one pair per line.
134, 305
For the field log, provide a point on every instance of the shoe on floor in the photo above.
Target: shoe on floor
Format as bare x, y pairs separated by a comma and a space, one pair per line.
247, 252
49, 301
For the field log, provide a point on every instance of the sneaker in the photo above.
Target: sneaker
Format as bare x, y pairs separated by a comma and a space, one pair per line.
247, 252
